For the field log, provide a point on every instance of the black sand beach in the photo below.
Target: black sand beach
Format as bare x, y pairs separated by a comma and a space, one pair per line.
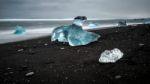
58, 63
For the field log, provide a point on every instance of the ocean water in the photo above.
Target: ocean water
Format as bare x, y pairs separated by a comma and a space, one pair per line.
36, 28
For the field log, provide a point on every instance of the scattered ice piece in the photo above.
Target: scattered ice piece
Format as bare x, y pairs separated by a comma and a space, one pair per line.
92, 25
8, 68
122, 23
141, 44
45, 44
74, 34
19, 50
110, 56
62, 48
19, 30
66, 78
11, 72
29, 74
118, 76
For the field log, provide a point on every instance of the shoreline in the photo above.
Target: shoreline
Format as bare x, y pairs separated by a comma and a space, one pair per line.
10, 37
55, 63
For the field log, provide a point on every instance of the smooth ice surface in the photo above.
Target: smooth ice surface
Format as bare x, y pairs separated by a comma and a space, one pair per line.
92, 25
122, 23
110, 56
19, 30
74, 35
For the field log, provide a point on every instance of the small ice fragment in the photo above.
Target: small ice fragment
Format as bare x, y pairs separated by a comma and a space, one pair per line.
92, 25
118, 76
19, 30
74, 34
19, 50
29, 74
110, 56
45, 44
66, 78
122, 23
8, 68
141, 44
62, 48
11, 72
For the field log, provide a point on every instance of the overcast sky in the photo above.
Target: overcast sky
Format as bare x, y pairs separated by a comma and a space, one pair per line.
47, 9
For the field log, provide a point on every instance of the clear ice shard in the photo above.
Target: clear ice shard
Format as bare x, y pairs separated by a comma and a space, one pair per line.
92, 25
110, 56
122, 23
19, 30
74, 35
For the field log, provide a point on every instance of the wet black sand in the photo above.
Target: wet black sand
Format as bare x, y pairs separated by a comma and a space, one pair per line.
58, 63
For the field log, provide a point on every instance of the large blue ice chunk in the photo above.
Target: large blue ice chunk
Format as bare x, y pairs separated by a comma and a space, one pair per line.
74, 35
19, 30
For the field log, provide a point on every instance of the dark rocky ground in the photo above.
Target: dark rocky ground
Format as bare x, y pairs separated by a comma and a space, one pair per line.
58, 63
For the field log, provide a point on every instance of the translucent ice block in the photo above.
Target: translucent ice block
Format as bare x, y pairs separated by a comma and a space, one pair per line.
74, 35
110, 56
60, 34
19, 30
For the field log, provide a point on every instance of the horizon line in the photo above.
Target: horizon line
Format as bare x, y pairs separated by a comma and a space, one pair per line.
65, 19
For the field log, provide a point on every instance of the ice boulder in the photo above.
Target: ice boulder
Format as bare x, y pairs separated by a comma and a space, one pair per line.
74, 34
19, 30
110, 56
